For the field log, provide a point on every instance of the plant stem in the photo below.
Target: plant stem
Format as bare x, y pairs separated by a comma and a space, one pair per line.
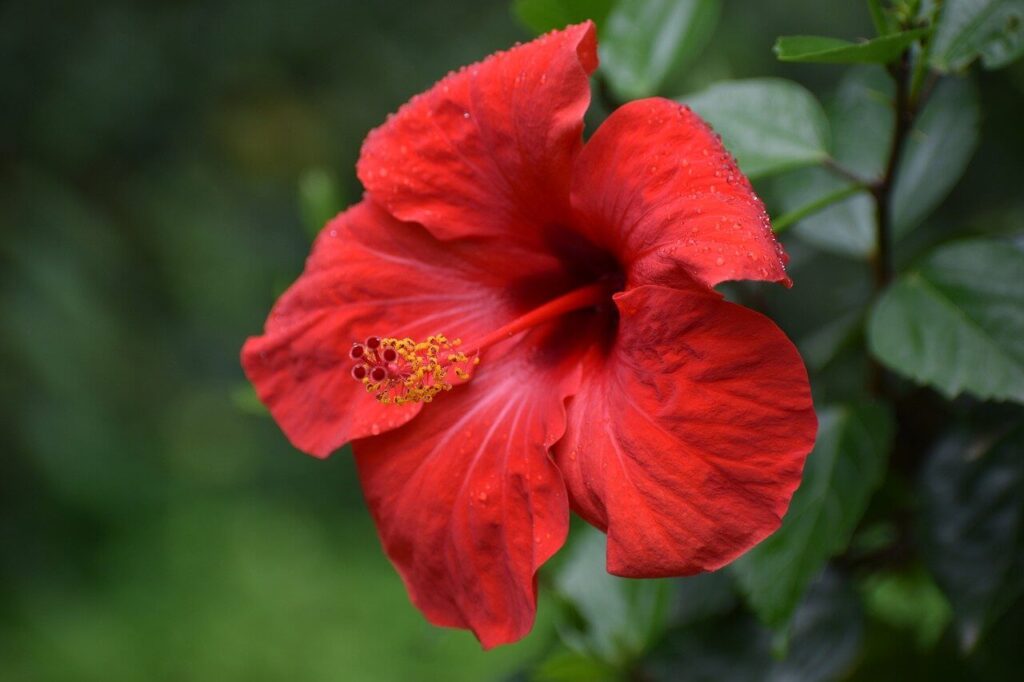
783, 222
905, 108
903, 121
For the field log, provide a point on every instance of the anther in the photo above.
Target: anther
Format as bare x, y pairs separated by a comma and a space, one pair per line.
401, 371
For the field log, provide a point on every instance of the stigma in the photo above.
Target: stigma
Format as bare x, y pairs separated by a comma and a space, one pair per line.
399, 371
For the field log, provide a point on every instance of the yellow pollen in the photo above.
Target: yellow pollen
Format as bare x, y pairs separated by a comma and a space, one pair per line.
400, 371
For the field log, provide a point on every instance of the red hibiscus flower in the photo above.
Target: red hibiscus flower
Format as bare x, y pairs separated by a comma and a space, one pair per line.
598, 369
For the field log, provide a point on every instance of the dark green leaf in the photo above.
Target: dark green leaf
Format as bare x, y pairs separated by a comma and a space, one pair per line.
769, 124
860, 117
823, 640
615, 619
821, 50
644, 41
544, 15
972, 524
937, 152
968, 29
702, 596
957, 321
824, 312
846, 466
825, 634
846, 227
733, 648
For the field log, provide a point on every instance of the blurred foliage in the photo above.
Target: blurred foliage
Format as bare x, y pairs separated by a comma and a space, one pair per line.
164, 166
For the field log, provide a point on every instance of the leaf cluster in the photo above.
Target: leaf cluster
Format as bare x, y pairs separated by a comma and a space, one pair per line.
907, 526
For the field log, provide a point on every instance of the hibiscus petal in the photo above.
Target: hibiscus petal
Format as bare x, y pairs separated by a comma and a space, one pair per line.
368, 275
488, 150
467, 501
655, 185
688, 445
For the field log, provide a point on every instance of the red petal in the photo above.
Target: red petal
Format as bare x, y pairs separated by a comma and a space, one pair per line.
655, 185
488, 150
368, 275
467, 500
687, 448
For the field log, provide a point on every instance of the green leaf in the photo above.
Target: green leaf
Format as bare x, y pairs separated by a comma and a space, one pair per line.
910, 601
821, 50
972, 524
645, 41
825, 634
320, 199
956, 322
936, 154
544, 15
880, 18
615, 619
702, 596
860, 118
847, 464
783, 222
769, 124
823, 641
825, 313
736, 647
569, 666
846, 227
244, 397
968, 29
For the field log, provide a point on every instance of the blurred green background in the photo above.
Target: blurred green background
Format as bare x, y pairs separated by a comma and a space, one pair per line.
154, 158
